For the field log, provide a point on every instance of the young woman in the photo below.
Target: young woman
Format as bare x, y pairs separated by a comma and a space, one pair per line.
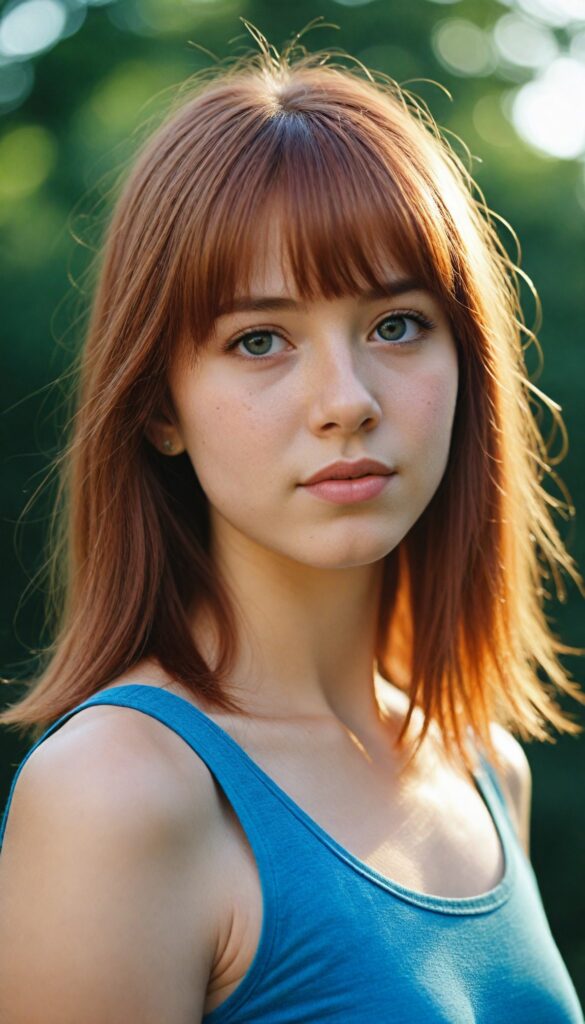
274, 776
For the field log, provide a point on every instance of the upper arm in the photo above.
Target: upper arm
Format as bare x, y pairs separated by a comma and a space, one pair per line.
102, 915
516, 780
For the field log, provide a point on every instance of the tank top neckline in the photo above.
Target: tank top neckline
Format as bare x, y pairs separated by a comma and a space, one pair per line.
489, 900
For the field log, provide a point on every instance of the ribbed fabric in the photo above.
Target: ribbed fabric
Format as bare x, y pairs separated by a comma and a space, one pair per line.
339, 941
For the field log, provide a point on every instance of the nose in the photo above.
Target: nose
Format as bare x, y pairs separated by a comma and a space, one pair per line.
341, 390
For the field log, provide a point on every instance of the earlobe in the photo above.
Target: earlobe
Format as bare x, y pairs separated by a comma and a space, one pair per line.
164, 437
169, 447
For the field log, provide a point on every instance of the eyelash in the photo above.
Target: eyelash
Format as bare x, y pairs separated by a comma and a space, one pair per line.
406, 314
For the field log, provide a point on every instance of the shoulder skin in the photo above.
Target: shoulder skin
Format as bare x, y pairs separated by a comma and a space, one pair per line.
106, 900
516, 780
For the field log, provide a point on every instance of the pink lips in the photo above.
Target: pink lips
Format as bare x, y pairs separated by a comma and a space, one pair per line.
344, 470
345, 492
344, 482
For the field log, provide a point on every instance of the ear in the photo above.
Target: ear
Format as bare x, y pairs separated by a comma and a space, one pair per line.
163, 432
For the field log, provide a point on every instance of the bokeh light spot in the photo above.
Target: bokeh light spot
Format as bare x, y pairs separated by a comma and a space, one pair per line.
167, 17
545, 111
558, 13
577, 47
117, 100
31, 26
27, 156
464, 48
16, 82
522, 41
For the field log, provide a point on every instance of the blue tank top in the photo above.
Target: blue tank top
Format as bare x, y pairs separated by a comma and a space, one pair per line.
341, 942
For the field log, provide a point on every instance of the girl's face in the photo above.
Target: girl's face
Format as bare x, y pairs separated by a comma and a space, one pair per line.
283, 388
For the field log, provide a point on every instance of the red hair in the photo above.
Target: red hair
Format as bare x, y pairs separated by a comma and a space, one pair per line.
363, 175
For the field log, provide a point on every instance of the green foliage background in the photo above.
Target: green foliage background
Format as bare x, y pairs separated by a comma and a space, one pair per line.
58, 152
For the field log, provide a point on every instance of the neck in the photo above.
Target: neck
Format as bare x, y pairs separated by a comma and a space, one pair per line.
306, 635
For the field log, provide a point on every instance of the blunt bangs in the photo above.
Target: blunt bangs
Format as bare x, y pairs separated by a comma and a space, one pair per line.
347, 201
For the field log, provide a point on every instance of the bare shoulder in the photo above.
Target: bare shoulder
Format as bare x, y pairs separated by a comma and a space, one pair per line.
516, 779
106, 906
126, 763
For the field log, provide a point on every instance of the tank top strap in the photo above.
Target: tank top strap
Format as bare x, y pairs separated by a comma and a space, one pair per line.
494, 782
497, 799
490, 783
244, 787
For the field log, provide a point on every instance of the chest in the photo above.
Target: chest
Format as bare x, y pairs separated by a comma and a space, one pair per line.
432, 833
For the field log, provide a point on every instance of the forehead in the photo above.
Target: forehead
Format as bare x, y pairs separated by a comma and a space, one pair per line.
271, 271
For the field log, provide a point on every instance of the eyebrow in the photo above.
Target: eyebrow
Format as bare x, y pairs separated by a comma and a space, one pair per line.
259, 303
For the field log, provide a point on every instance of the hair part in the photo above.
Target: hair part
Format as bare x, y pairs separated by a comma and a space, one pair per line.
366, 178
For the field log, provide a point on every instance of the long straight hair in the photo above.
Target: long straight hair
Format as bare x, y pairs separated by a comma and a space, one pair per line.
363, 175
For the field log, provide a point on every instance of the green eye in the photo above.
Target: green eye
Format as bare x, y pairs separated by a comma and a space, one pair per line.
394, 328
257, 342
404, 328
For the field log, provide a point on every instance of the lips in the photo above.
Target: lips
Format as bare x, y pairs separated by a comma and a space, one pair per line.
350, 471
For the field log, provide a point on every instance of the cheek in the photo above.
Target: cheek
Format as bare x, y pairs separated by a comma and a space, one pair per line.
432, 405
430, 399
231, 440
424, 418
